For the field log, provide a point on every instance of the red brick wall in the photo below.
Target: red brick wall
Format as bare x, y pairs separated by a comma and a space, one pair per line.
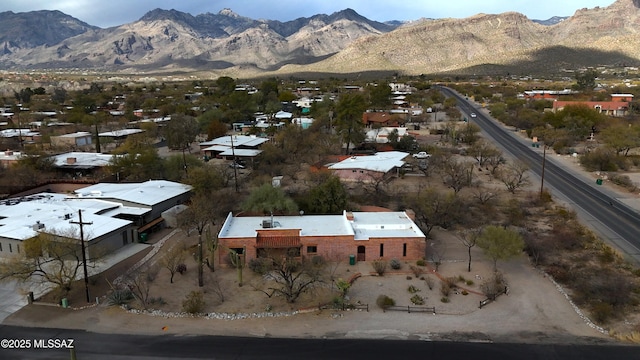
337, 248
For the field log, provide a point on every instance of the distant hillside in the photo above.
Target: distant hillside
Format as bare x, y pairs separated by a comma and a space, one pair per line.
344, 42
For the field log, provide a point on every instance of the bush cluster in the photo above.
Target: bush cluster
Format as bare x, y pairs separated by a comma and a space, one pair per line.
194, 303
384, 302
395, 264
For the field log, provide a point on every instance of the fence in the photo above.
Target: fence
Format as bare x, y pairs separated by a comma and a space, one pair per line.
410, 309
493, 298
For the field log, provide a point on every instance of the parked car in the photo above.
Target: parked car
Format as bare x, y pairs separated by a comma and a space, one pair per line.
421, 155
236, 165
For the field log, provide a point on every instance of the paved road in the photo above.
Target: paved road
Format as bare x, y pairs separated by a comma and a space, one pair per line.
112, 346
613, 219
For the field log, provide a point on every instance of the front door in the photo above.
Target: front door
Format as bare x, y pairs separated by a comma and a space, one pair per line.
361, 251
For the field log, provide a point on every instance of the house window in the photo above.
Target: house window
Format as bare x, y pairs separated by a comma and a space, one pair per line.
312, 249
18, 248
10, 249
0, 246
238, 251
381, 250
293, 251
404, 249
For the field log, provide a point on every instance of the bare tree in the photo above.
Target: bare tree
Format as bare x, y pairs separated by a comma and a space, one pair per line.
457, 174
49, 259
469, 238
173, 258
292, 278
199, 215
514, 176
140, 284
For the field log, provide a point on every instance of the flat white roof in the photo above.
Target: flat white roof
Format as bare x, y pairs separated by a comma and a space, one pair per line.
82, 159
238, 140
54, 212
75, 134
382, 162
365, 226
148, 193
241, 152
119, 133
309, 225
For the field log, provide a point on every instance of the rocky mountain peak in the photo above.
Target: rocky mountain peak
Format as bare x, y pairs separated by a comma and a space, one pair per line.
228, 12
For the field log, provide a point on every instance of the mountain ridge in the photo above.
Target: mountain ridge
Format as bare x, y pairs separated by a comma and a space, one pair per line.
345, 41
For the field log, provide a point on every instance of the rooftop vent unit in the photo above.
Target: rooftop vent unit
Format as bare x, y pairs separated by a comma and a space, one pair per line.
267, 224
38, 226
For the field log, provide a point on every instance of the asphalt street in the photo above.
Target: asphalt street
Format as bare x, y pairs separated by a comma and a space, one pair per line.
113, 346
611, 218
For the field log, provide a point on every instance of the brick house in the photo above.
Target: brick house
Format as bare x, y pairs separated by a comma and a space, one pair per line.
382, 118
618, 106
366, 235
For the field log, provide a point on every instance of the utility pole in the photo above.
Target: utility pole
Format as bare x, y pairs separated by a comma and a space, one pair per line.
235, 165
544, 160
84, 255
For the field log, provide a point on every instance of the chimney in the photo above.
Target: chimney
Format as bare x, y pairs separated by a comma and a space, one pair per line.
350, 216
71, 160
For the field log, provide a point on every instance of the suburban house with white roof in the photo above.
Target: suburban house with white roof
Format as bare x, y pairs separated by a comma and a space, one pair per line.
73, 140
366, 235
142, 203
114, 214
81, 163
25, 217
240, 146
369, 168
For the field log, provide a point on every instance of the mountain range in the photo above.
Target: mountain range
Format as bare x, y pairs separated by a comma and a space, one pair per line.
343, 42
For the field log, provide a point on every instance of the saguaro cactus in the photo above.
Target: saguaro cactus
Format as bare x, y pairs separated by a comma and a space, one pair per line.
237, 260
212, 245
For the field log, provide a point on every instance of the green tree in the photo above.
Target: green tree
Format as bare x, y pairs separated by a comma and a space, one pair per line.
499, 243
586, 81
330, 197
621, 138
379, 96
267, 199
226, 85
349, 118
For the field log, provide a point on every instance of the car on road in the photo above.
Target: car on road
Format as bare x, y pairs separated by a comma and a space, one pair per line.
422, 155
473, 115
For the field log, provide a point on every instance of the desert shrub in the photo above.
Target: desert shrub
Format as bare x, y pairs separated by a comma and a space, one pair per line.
451, 282
120, 297
417, 300
444, 299
409, 277
601, 312
193, 303
337, 302
469, 282
412, 289
599, 160
395, 264
430, 282
624, 181
379, 266
465, 292
318, 260
260, 266
384, 302
445, 289
493, 286
416, 271
157, 301
421, 262
181, 268
607, 255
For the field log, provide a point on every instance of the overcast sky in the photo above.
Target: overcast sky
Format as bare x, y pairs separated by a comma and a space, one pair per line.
106, 13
